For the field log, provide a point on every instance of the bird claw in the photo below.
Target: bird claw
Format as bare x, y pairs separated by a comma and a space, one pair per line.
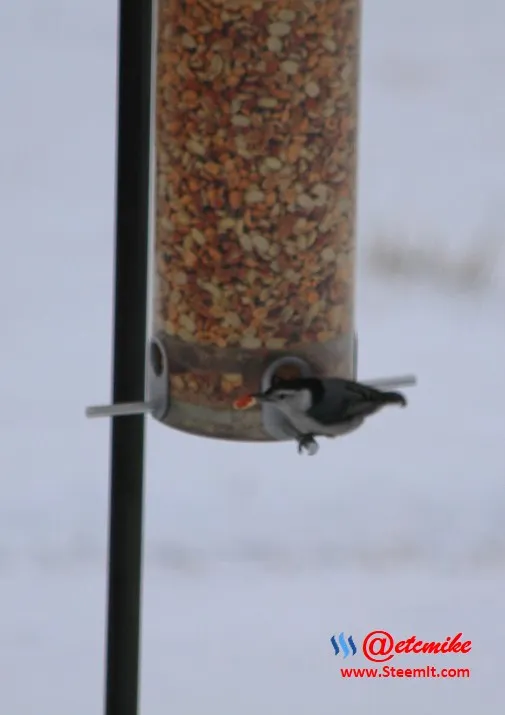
309, 444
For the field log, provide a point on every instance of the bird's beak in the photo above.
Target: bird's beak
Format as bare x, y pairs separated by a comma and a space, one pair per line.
261, 397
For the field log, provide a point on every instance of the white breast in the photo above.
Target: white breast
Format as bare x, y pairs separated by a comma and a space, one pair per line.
306, 425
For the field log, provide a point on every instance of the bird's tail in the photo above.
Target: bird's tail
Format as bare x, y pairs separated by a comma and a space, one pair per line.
392, 398
366, 400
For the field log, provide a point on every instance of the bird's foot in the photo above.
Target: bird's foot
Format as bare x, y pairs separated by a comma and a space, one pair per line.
308, 443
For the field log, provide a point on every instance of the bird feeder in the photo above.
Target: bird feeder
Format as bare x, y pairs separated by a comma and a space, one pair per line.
255, 201
255, 204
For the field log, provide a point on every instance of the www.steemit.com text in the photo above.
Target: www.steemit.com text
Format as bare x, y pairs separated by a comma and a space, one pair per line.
388, 671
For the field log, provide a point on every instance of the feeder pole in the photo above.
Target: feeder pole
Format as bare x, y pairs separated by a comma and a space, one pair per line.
130, 319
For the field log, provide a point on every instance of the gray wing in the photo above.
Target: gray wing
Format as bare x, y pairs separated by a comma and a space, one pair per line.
345, 400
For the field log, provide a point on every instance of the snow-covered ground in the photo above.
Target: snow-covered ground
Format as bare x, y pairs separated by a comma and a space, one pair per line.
255, 556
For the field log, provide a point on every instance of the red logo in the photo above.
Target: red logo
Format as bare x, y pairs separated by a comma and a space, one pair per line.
380, 646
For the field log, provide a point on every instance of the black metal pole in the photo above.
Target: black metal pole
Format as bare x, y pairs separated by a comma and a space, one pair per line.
130, 317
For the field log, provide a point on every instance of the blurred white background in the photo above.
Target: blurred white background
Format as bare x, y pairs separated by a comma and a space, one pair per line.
254, 555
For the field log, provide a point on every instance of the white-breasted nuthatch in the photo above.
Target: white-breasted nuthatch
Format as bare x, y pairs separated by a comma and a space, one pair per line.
328, 407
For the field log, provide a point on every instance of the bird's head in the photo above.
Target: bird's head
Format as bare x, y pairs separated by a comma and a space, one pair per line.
288, 395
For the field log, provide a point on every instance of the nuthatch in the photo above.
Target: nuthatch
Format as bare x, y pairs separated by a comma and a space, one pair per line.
327, 407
